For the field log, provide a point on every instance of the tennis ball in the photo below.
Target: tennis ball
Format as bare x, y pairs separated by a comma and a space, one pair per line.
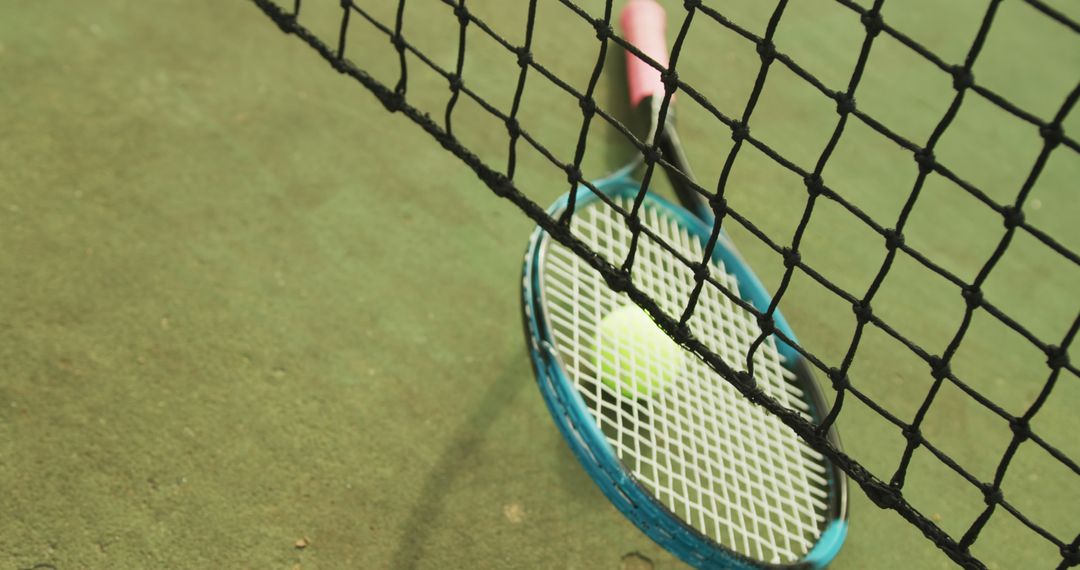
635, 356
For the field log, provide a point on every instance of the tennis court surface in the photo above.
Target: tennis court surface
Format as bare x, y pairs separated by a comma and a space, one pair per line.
251, 319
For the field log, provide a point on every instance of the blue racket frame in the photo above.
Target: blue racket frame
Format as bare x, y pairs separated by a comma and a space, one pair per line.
588, 443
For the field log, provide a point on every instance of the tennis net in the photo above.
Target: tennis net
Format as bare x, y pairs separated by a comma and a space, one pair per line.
880, 315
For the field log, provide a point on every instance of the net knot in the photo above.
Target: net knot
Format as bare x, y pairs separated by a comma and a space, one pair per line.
503, 187
513, 127
524, 56
839, 379
681, 334
862, 310
1052, 134
924, 157
814, 185
573, 174
651, 155
670, 79
288, 23
462, 14
394, 102
1070, 553
884, 496
455, 81
973, 295
746, 379
588, 105
766, 323
398, 41
691, 4
913, 435
991, 494
718, 204
1013, 217
845, 103
962, 77
739, 131
767, 50
939, 368
633, 224
1056, 357
792, 258
1021, 428
872, 22
617, 280
701, 272
603, 30
893, 239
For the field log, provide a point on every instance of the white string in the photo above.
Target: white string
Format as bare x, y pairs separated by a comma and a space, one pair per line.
724, 466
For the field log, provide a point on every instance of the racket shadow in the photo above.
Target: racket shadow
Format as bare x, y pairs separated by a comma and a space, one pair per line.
458, 457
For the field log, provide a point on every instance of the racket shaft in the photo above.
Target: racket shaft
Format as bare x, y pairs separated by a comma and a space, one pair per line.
644, 24
690, 198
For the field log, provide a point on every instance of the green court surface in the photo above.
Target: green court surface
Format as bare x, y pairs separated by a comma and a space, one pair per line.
250, 319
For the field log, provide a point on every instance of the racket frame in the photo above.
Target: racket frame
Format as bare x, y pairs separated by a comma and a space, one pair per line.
589, 444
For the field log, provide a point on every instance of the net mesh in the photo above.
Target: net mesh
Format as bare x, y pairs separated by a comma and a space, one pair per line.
724, 466
886, 487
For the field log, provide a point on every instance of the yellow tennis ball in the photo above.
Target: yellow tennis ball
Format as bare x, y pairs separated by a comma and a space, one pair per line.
635, 356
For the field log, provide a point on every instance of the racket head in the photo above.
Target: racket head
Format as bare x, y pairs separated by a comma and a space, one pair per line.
584, 431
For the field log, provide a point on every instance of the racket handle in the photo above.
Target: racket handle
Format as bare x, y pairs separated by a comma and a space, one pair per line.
644, 24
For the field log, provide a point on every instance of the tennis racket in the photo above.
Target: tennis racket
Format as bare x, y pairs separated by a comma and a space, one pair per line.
714, 479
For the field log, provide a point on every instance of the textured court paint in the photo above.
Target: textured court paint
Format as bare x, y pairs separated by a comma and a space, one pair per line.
218, 332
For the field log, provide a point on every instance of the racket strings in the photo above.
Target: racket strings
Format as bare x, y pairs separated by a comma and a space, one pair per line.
727, 468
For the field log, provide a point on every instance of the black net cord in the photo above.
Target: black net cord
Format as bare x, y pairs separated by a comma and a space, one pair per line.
885, 495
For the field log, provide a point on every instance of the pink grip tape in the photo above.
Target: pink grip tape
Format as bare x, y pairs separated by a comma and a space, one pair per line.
644, 24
